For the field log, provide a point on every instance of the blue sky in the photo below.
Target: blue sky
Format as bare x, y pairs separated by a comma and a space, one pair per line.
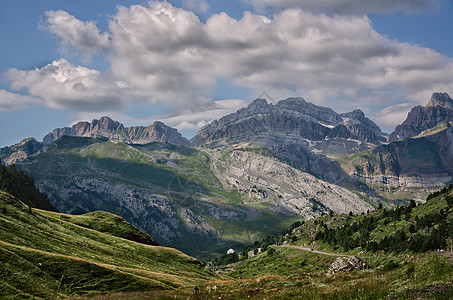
191, 61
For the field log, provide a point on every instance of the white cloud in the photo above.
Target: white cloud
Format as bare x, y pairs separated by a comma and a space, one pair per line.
186, 120
390, 116
200, 6
350, 7
62, 85
12, 101
84, 37
166, 55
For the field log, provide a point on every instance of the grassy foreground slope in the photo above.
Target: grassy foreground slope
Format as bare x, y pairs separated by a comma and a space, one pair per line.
49, 255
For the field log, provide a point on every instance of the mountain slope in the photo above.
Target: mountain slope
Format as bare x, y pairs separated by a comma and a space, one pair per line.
424, 162
44, 255
438, 109
106, 127
186, 198
405, 229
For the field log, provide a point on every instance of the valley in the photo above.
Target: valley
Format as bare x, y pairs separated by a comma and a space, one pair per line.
118, 201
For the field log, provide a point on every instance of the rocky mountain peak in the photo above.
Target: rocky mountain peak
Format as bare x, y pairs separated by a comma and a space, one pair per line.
419, 119
258, 106
106, 127
293, 120
20, 151
441, 100
355, 114
159, 124
260, 102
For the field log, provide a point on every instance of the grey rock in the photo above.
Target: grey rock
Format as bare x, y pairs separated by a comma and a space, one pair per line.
267, 182
438, 109
106, 127
349, 264
293, 121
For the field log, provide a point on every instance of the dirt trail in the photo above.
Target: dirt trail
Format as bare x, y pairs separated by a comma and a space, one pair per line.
313, 251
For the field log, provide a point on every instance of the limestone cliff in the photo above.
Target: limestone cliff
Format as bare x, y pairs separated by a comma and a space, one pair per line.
106, 127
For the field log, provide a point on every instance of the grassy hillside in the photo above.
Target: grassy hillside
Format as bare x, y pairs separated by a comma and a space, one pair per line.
48, 255
406, 229
297, 266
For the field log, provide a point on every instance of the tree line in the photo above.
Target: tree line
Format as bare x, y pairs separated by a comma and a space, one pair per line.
428, 232
18, 184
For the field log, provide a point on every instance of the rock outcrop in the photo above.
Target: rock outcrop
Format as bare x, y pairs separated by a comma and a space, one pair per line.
419, 119
349, 264
106, 127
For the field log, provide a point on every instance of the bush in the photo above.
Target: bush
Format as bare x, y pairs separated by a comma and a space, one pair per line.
390, 265
270, 252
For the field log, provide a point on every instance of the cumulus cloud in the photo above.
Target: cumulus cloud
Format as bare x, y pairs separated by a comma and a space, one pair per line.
63, 85
12, 101
390, 116
84, 37
166, 55
186, 120
200, 6
350, 7
159, 50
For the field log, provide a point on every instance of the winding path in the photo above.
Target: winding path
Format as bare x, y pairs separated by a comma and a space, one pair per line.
314, 251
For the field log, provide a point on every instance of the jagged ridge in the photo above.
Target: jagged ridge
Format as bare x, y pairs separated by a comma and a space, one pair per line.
294, 121
106, 127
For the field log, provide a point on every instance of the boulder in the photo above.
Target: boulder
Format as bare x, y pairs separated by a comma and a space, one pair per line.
351, 263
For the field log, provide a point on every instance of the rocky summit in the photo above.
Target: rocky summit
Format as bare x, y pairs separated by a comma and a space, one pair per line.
106, 127
438, 109
294, 121
20, 151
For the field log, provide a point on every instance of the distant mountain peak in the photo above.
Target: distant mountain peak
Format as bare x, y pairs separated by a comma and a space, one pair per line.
20, 151
106, 127
258, 103
264, 95
293, 120
440, 99
419, 119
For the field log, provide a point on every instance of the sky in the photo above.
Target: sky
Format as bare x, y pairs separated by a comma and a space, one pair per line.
188, 62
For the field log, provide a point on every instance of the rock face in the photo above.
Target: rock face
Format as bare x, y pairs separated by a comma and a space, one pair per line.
294, 121
438, 109
20, 151
106, 127
264, 180
422, 162
349, 264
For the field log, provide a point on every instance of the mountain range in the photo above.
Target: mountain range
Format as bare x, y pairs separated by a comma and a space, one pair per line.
106, 127
241, 177
294, 121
